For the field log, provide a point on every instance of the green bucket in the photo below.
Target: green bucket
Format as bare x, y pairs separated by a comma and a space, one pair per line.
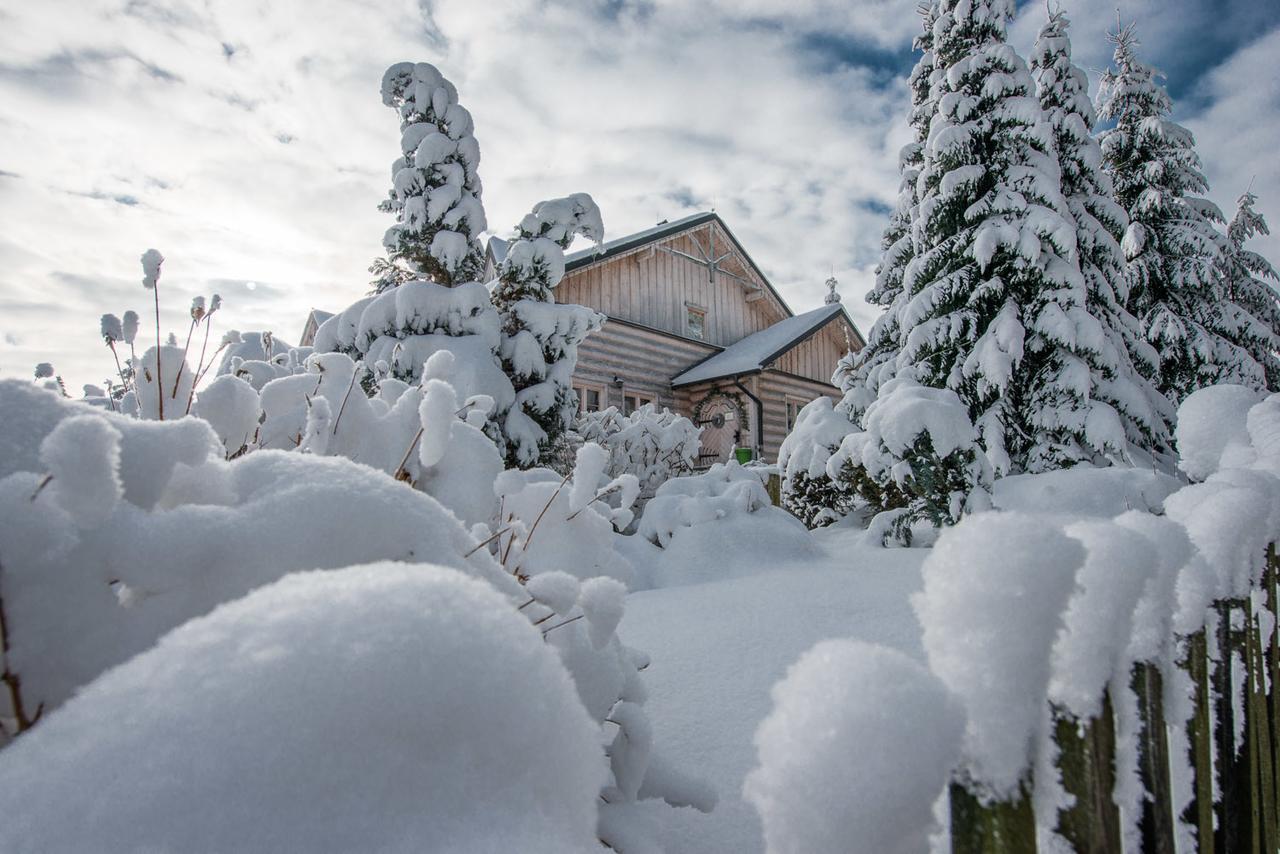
744, 455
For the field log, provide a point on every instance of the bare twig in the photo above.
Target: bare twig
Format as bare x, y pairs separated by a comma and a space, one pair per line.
545, 508
11, 680
343, 407
159, 373
177, 378
486, 541
39, 489
400, 469
546, 632
200, 369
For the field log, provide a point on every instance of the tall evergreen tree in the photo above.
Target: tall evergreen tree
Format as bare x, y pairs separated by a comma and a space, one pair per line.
540, 338
860, 374
995, 304
1122, 361
435, 193
1172, 245
1244, 278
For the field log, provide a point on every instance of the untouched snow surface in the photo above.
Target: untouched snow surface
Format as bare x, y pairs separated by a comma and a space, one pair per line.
717, 648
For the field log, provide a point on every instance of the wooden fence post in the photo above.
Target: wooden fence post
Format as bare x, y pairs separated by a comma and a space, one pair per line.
1086, 759
1234, 810
1199, 812
1000, 827
1261, 758
1156, 821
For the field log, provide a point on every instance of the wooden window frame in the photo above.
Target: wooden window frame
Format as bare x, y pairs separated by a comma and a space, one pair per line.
694, 308
800, 403
582, 389
641, 398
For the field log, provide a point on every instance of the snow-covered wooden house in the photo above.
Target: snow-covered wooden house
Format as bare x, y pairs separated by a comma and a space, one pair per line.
694, 325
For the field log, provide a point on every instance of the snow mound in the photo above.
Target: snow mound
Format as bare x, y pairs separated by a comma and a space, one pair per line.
857, 749
403, 750
1211, 423
995, 589
717, 525
1085, 491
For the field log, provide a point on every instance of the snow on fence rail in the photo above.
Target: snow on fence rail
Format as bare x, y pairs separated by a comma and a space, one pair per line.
1117, 676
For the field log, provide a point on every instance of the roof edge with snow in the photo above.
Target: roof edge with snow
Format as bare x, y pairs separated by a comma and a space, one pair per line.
758, 351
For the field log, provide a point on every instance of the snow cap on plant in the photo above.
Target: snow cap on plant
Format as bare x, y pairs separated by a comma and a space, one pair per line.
151, 261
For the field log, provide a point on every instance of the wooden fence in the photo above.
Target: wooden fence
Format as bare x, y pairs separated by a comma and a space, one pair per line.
1239, 814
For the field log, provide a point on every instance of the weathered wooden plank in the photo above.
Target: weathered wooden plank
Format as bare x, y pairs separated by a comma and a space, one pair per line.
1086, 759
1156, 820
1003, 827
1199, 812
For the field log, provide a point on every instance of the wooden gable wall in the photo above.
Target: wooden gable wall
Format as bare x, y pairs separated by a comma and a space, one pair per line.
650, 287
815, 359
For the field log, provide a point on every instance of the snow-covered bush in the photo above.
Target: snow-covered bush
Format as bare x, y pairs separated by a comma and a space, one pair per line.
812, 495
917, 460
714, 525
653, 445
858, 747
325, 712
138, 526
142, 525
549, 522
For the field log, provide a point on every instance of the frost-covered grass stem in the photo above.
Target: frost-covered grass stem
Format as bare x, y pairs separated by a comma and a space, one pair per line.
173, 395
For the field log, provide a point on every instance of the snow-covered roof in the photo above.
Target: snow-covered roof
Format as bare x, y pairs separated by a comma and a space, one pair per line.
756, 352
498, 249
321, 316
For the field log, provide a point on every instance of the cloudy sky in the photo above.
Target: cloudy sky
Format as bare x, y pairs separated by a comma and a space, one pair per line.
247, 142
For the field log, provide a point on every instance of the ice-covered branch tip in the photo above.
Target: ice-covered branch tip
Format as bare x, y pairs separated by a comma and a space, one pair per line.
151, 261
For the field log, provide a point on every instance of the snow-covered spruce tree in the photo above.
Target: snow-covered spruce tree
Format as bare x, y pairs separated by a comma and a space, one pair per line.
1172, 245
540, 338
995, 305
1125, 362
1244, 274
860, 374
435, 193
807, 491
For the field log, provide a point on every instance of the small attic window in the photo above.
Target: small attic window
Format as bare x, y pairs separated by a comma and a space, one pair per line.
695, 322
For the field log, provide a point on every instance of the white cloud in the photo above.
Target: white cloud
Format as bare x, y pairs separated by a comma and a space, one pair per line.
246, 140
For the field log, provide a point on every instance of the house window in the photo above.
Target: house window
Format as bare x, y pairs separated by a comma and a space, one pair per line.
589, 398
696, 322
793, 410
632, 402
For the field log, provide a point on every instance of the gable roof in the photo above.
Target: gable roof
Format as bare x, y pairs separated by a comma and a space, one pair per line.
661, 231
759, 350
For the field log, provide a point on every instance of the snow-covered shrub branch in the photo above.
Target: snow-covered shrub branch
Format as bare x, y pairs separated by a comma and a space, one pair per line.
654, 446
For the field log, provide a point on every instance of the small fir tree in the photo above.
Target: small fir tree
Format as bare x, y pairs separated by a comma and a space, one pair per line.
1172, 245
1247, 278
540, 338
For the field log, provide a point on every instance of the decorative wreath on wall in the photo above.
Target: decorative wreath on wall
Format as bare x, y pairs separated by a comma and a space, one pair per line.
735, 398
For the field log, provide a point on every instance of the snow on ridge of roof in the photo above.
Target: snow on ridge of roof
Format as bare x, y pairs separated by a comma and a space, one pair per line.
757, 350
321, 316
638, 238
498, 247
